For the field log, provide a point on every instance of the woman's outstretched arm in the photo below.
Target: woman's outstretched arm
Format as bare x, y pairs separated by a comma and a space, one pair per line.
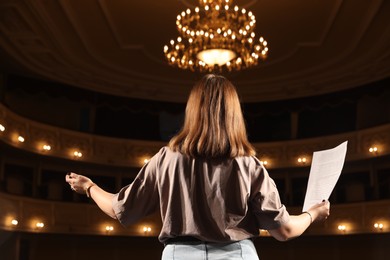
85, 185
299, 223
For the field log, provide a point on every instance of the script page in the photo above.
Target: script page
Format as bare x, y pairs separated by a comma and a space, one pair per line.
325, 170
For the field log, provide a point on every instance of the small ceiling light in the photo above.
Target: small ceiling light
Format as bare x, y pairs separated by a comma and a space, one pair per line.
14, 222
2, 128
21, 139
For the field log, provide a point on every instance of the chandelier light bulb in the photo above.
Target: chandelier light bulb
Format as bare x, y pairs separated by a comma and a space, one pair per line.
216, 56
214, 28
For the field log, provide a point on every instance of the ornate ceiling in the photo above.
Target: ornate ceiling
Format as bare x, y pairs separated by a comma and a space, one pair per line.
116, 46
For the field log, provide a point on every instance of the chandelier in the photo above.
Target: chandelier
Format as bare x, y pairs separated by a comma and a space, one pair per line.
216, 37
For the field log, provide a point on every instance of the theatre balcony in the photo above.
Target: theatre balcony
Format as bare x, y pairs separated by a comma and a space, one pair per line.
86, 87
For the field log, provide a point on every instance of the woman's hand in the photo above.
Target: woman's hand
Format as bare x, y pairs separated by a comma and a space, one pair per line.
299, 223
78, 183
81, 184
320, 211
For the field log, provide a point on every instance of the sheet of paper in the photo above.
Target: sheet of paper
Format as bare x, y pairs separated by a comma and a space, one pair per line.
325, 170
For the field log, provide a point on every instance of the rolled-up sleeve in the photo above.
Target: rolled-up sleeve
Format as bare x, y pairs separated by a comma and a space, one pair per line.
265, 201
140, 198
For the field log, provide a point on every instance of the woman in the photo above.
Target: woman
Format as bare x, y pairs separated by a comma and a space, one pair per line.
213, 194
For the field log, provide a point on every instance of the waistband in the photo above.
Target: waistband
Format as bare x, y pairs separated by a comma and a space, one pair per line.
190, 239
183, 239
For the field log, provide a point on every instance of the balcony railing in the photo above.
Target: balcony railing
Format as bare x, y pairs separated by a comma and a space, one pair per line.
33, 215
47, 140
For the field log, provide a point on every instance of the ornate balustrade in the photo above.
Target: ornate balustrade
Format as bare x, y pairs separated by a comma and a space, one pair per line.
34, 215
35, 137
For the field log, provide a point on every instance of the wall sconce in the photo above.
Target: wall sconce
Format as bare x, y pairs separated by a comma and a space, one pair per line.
14, 222
342, 228
46, 147
264, 233
264, 163
77, 154
109, 229
21, 139
39, 225
373, 150
146, 160
147, 230
378, 226
2, 128
302, 160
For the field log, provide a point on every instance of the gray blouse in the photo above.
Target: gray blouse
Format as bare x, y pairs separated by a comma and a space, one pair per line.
218, 200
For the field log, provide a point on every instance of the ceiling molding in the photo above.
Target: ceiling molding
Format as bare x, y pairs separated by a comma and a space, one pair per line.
317, 48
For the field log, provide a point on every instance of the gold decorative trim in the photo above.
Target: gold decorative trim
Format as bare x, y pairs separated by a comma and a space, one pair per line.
132, 153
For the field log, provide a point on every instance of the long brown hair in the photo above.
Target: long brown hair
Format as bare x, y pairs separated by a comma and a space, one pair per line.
214, 125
